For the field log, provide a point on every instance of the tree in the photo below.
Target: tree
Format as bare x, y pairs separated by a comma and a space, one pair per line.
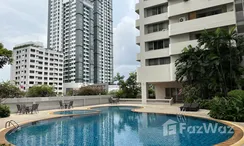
9, 90
132, 87
41, 91
5, 56
89, 90
215, 64
128, 88
119, 79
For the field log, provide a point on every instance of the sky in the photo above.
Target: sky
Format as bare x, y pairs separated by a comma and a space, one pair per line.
26, 20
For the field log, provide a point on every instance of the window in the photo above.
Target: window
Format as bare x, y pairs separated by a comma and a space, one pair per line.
158, 61
155, 45
156, 27
156, 10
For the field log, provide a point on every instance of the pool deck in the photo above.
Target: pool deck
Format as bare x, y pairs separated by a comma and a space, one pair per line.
148, 108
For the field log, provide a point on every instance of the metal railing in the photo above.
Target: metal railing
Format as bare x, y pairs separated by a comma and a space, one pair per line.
13, 123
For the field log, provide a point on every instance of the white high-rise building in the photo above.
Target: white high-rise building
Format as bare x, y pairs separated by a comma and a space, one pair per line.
166, 27
35, 65
82, 29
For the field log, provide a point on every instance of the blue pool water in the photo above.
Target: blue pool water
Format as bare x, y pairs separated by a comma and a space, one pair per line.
119, 126
76, 112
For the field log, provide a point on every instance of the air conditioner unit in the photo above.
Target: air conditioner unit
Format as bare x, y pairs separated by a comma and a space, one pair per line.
182, 19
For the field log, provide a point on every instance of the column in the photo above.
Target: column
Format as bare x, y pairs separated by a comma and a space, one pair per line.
144, 92
160, 92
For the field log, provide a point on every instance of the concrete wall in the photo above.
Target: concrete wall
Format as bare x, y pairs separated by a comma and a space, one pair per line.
48, 103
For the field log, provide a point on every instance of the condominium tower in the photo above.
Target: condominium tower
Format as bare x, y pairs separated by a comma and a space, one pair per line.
82, 29
35, 65
166, 27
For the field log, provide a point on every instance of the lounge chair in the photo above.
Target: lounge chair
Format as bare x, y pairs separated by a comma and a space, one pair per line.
37, 105
34, 108
185, 107
194, 107
24, 109
61, 104
70, 104
111, 100
116, 100
19, 109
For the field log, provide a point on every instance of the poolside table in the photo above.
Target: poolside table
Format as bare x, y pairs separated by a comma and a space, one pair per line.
66, 104
26, 109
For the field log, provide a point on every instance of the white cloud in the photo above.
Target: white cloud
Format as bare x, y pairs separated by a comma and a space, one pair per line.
22, 21
5, 73
125, 48
26, 20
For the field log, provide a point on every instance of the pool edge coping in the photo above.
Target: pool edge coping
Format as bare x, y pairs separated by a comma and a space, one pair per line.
236, 140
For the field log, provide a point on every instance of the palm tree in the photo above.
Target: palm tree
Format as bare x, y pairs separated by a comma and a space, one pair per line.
215, 63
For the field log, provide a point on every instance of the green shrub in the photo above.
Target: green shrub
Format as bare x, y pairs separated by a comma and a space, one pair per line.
4, 111
236, 94
112, 92
204, 103
229, 108
120, 94
91, 91
41, 91
117, 93
190, 93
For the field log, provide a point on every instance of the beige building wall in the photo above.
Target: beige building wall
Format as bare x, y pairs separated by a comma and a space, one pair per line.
185, 21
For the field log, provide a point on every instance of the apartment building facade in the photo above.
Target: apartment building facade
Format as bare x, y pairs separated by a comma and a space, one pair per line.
82, 29
35, 65
166, 27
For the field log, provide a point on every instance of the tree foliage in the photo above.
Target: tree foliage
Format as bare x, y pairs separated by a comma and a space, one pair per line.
229, 108
88, 90
128, 88
41, 91
5, 56
4, 111
215, 64
9, 90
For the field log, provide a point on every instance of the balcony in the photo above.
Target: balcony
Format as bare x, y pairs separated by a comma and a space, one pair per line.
157, 53
151, 3
138, 40
156, 18
159, 73
156, 36
137, 8
176, 48
138, 57
220, 20
194, 5
138, 24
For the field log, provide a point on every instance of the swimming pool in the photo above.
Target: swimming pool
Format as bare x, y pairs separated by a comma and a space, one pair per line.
76, 112
119, 126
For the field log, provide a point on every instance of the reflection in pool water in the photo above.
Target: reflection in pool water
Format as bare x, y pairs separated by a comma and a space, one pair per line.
75, 112
114, 126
